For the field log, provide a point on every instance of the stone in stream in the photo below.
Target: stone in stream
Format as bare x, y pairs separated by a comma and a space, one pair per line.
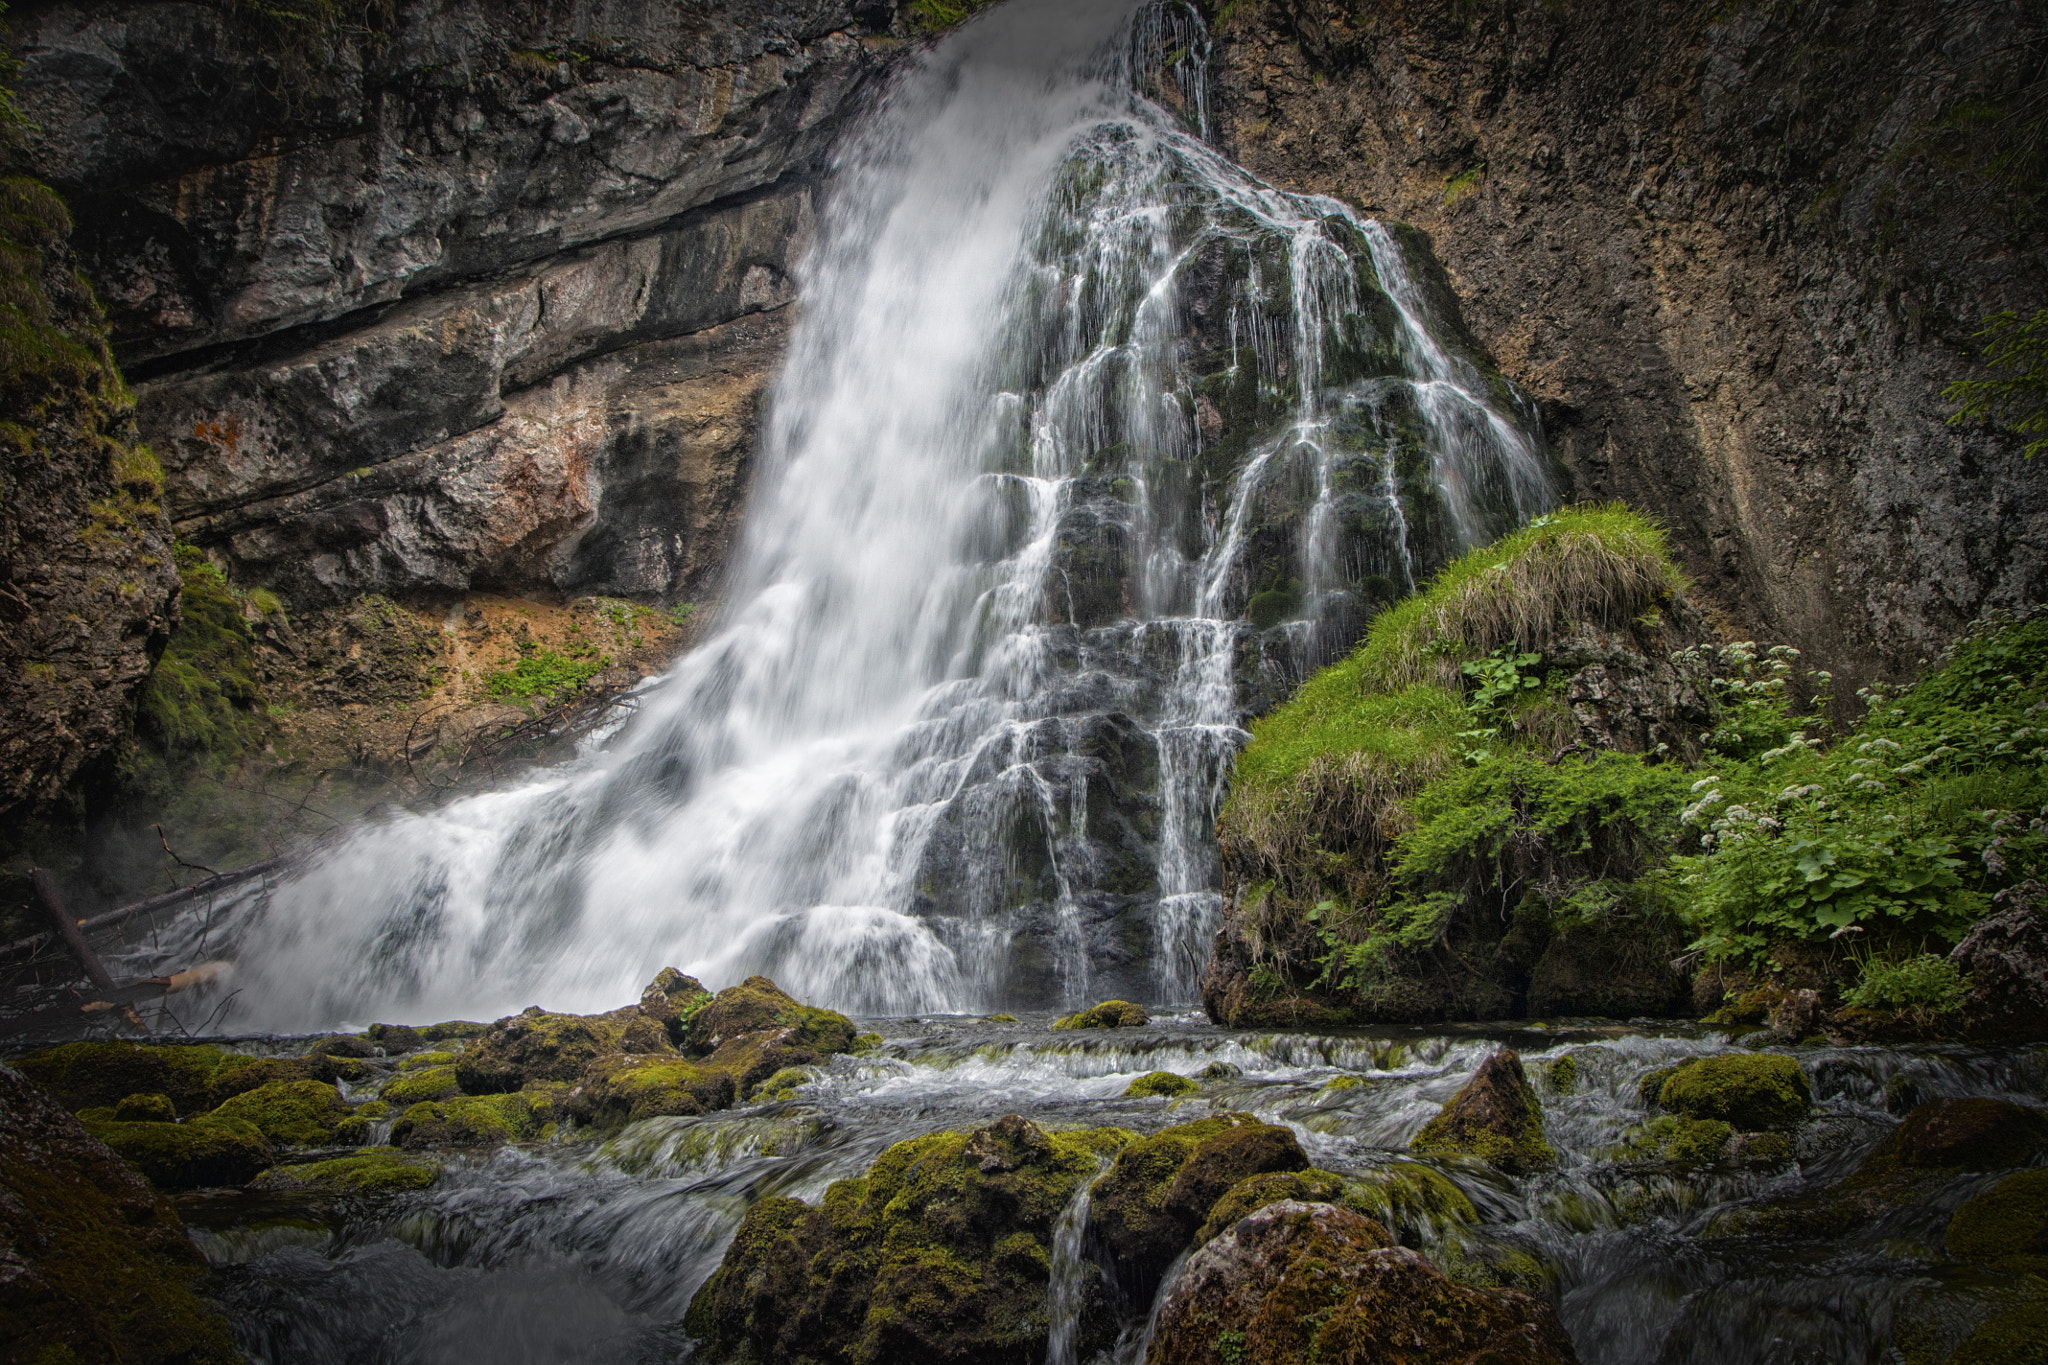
1749, 1092
96, 1264
1308, 1281
1495, 1117
1108, 1014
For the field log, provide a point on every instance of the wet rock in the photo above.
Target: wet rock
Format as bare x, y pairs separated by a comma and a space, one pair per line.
1750, 1092
1108, 1014
2009, 1219
206, 1151
757, 1006
372, 1171
1299, 1281
472, 1121
86, 1075
671, 1000
94, 1264
344, 1045
1253, 1193
395, 1039
238, 1074
299, 1113
1495, 1117
452, 1030
146, 1109
1962, 1135
1159, 1083
534, 1046
1160, 1189
626, 1089
941, 1252
2005, 955
426, 1083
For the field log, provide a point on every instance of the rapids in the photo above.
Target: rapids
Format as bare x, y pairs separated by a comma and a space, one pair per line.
579, 1253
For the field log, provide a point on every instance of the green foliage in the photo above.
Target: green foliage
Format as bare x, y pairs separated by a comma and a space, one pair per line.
930, 18
204, 699
1465, 182
2019, 397
681, 612
1921, 987
1900, 832
544, 674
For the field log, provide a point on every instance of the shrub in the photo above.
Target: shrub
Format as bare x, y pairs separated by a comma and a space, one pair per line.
1920, 987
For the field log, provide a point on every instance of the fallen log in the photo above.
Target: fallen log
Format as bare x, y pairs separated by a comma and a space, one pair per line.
167, 900
66, 929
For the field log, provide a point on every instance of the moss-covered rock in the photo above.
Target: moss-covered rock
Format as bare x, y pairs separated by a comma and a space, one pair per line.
395, 1039
783, 1084
450, 1030
625, 1089
2010, 1219
2019, 1337
297, 1113
204, 1152
471, 1121
428, 1083
1960, 1135
671, 1000
99, 1267
344, 1045
1299, 1281
420, 1061
1108, 1014
1682, 1141
534, 1046
88, 1075
1253, 1193
757, 1009
145, 1109
1416, 1201
1748, 1091
1495, 1117
373, 1170
1160, 1189
941, 1252
1159, 1083
238, 1074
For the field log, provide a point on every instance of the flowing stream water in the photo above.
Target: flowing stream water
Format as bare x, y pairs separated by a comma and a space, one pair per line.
1087, 444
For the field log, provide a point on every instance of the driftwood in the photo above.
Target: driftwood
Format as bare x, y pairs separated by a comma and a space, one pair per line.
234, 876
66, 929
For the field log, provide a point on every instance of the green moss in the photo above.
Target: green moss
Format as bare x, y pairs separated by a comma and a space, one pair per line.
544, 674
1563, 1074
1159, 1083
374, 1170
452, 1028
297, 1113
375, 1109
1255, 1192
1415, 1200
1685, 1141
419, 1061
431, 1083
1337, 1084
1496, 1117
143, 1108
206, 1151
929, 18
474, 1121
2015, 1338
204, 698
102, 1074
1752, 1092
2010, 1219
1108, 1014
783, 1084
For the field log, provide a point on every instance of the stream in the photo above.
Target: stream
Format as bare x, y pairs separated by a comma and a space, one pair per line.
582, 1252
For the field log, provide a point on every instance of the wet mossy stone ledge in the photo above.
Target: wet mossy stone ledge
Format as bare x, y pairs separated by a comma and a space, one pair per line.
1495, 1117
1108, 1014
1734, 1108
1302, 1281
97, 1265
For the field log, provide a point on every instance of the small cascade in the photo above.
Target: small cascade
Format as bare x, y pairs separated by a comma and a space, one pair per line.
1089, 445
1071, 1272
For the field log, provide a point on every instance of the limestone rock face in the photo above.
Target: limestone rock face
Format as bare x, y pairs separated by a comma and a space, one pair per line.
484, 297
1733, 253
2006, 957
1300, 1281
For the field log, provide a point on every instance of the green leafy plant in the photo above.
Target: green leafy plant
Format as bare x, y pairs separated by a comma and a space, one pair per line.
545, 674
2019, 397
1921, 987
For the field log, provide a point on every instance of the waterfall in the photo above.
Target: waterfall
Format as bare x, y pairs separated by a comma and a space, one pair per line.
1087, 445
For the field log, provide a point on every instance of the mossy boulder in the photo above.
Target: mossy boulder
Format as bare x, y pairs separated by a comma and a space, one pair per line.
1108, 1014
420, 1061
1253, 1193
344, 1045
204, 1152
395, 1039
1961, 1135
1495, 1117
2010, 1219
758, 1008
146, 1109
625, 1089
1682, 1141
534, 1046
1418, 1202
671, 1000
1303, 1281
371, 1171
2019, 1337
428, 1083
98, 1265
451, 1030
90, 1075
942, 1252
1160, 1189
1748, 1091
296, 1113
1159, 1083
471, 1121
238, 1074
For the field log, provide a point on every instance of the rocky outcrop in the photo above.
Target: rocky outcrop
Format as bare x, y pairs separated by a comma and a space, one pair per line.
1495, 1117
1735, 252
88, 591
2005, 956
94, 1264
1311, 1281
459, 296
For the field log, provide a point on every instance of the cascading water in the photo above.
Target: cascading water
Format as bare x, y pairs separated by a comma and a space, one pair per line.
1071, 398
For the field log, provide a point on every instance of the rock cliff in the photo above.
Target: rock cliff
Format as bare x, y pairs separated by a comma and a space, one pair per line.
1735, 252
432, 297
